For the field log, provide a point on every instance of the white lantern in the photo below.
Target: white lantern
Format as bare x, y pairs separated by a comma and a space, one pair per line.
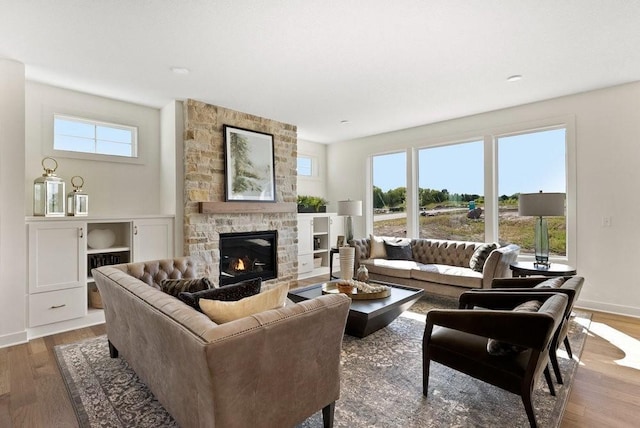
77, 200
48, 193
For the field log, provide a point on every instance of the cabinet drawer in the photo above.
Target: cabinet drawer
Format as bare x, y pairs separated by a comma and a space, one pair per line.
305, 263
56, 306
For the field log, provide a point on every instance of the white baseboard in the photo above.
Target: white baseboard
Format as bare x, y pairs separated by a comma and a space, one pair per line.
629, 311
13, 339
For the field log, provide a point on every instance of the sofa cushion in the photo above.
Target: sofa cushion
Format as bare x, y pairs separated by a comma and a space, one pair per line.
398, 250
551, 283
449, 275
221, 312
176, 286
377, 250
227, 293
502, 349
480, 255
397, 268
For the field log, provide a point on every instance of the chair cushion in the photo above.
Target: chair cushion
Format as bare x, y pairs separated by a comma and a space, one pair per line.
221, 312
176, 286
551, 283
480, 255
501, 349
227, 293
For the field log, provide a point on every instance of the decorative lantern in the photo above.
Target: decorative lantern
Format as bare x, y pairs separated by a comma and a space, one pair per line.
77, 201
48, 193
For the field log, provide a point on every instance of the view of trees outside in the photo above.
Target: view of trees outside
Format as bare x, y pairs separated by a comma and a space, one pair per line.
451, 188
389, 205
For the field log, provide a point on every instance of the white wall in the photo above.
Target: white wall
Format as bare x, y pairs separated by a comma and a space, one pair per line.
317, 185
113, 188
607, 157
13, 238
172, 169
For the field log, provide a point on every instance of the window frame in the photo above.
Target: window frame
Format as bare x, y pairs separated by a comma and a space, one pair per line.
314, 166
490, 137
48, 123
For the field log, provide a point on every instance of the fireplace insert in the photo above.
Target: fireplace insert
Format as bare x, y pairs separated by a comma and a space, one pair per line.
247, 255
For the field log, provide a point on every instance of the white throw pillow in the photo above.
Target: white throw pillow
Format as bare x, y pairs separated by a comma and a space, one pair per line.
378, 251
221, 312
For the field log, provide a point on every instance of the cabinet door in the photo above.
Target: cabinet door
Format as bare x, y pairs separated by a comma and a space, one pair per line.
152, 239
57, 255
305, 234
336, 228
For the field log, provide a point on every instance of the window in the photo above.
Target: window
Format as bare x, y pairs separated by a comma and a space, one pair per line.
528, 163
389, 194
305, 166
74, 134
450, 189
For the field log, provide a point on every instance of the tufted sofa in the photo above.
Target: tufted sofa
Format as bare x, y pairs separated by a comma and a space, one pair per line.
437, 266
275, 368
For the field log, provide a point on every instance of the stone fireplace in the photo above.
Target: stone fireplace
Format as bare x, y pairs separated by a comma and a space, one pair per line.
204, 181
248, 255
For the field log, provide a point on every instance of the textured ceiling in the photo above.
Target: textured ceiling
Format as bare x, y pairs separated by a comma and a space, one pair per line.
379, 64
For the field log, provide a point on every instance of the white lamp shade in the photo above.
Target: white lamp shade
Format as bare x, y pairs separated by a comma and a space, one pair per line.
350, 208
541, 204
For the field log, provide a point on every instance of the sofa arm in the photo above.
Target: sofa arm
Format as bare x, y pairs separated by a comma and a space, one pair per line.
292, 354
498, 262
363, 248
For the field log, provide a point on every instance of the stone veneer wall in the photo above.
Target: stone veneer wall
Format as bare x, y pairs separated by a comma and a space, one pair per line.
204, 182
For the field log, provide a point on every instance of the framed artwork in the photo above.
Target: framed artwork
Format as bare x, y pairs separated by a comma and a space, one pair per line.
249, 171
340, 242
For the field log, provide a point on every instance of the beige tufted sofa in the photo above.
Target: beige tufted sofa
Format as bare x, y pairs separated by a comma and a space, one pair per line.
272, 369
437, 266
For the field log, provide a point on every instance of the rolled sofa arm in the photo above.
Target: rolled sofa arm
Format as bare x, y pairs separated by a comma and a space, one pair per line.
363, 248
498, 262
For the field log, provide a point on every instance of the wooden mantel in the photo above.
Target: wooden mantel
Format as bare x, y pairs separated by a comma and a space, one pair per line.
246, 207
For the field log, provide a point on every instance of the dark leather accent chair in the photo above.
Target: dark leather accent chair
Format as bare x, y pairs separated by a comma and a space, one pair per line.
571, 287
457, 338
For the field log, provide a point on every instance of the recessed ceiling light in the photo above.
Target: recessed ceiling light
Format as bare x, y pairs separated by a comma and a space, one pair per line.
180, 70
514, 78
344, 122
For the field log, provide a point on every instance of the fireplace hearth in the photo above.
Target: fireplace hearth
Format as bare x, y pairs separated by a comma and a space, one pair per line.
248, 255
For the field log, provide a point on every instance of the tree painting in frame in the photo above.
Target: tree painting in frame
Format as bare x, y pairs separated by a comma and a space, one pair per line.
250, 175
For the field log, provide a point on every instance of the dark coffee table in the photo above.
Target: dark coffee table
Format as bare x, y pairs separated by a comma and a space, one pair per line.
367, 316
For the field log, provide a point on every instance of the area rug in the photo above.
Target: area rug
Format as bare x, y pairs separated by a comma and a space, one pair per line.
381, 385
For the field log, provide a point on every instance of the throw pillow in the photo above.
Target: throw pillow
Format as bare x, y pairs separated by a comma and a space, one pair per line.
504, 349
480, 256
551, 283
227, 293
176, 286
377, 250
221, 312
398, 251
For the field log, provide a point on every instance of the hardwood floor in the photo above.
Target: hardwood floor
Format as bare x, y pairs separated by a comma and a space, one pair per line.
605, 392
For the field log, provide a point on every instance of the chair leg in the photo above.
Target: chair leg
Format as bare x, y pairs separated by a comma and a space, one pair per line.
528, 407
547, 376
425, 375
113, 351
567, 346
327, 414
554, 363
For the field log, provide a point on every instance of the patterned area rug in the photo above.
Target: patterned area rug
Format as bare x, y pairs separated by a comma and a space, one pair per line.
381, 384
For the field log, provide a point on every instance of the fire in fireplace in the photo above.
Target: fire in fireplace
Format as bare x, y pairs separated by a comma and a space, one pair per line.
248, 255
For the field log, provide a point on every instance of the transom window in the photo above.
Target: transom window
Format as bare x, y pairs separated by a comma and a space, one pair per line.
75, 134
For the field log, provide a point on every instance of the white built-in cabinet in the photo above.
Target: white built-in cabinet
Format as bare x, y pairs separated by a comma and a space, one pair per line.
60, 263
317, 233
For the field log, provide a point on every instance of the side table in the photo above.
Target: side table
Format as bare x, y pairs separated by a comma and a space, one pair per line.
332, 251
521, 269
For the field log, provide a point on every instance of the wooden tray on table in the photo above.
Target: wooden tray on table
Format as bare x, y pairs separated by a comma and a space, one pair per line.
331, 287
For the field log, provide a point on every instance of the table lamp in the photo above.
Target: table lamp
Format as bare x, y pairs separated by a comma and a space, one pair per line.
349, 209
540, 205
